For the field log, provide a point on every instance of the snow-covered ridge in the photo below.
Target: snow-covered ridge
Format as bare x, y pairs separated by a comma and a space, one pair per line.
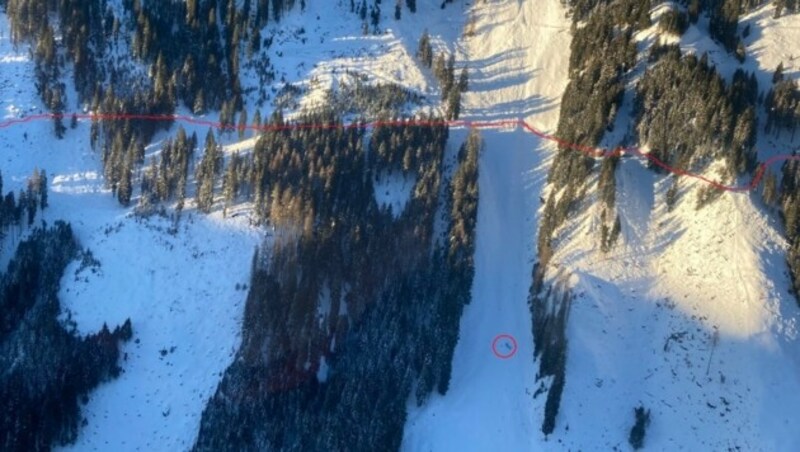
690, 316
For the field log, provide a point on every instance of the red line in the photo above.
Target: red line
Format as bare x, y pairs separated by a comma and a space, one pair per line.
588, 150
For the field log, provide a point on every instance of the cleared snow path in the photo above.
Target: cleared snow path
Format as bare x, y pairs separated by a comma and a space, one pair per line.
487, 407
518, 70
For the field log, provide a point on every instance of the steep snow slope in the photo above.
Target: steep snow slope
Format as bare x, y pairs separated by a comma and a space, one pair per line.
690, 316
642, 329
325, 45
518, 62
179, 290
487, 407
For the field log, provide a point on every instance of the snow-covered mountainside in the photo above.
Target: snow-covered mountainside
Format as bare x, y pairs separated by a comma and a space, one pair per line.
690, 315
515, 75
180, 288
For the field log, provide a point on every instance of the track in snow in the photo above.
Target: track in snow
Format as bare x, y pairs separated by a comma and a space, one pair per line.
590, 151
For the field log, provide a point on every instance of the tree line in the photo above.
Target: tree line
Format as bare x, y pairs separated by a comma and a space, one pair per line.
48, 368
688, 116
390, 291
445, 72
20, 210
782, 104
601, 54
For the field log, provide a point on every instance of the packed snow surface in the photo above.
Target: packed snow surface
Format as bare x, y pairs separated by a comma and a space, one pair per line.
688, 316
518, 66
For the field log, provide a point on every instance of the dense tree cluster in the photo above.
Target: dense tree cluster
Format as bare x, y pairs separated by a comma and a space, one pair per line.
208, 170
789, 198
166, 176
193, 50
783, 105
637, 10
783, 113
786, 6
607, 188
724, 19
193, 45
376, 298
607, 182
602, 52
445, 72
369, 12
83, 25
686, 114
47, 369
20, 210
400, 147
464, 202
121, 141
550, 313
375, 101
674, 21
86, 27
636, 436
723, 15
724, 22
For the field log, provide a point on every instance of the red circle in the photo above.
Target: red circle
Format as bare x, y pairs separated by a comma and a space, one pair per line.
513, 343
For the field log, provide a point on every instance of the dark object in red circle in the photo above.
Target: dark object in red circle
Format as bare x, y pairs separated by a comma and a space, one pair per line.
500, 337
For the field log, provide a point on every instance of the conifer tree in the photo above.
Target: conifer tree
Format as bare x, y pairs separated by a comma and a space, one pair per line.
463, 81
31, 205
770, 189
450, 74
199, 106
230, 183
453, 104
125, 189
206, 172
42, 189
672, 194
257, 122
425, 50
777, 76
440, 72
242, 123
